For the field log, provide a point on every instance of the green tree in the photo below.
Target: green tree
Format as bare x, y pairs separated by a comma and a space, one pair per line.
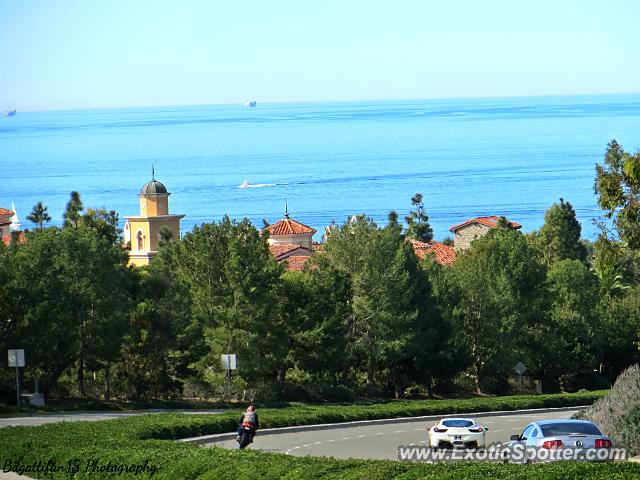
563, 339
612, 261
617, 185
619, 331
39, 215
495, 295
232, 280
560, 235
313, 313
418, 221
73, 212
73, 287
391, 305
153, 361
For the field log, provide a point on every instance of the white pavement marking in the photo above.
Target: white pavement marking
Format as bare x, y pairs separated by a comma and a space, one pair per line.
361, 436
379, 433
512, 420
317, 443
496, 431
399, 431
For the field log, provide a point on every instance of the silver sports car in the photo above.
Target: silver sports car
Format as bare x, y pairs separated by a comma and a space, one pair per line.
553, 440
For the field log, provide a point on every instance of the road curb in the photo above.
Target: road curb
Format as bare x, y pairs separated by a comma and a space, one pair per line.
221, 437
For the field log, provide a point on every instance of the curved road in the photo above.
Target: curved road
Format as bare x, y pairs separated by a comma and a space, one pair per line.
42, 418
382, 441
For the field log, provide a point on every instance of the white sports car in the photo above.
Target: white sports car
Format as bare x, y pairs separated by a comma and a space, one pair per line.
457, 432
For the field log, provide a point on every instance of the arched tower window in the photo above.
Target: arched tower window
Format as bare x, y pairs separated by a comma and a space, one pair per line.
140, 240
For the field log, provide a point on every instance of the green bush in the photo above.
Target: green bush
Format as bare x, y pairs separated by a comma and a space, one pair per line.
609, 411
628, 428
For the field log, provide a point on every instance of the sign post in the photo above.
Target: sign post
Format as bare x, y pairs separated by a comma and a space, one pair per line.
228, 363
16, 359
520, 369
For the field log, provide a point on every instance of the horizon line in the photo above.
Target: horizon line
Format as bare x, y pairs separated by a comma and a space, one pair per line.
334, 101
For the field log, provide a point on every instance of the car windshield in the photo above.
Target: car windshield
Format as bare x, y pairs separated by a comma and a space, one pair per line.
553, 429
457, 423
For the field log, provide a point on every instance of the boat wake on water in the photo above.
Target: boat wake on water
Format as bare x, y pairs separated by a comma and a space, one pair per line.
246, 184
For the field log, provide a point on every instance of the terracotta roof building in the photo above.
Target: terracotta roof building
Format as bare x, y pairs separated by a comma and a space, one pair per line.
6, 239
290, 231
291, 240
466, 232
5, 221
442, 254
297, 262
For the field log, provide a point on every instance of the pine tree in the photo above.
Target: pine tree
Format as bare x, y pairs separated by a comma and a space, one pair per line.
560, 234
418, 221
73, 213
39, 215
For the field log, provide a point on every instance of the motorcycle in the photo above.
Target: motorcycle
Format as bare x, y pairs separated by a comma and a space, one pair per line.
247, 435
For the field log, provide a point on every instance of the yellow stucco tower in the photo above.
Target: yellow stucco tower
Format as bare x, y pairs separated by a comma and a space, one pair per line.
141, 232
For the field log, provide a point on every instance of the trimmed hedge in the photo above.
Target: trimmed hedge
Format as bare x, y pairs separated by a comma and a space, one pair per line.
134, 440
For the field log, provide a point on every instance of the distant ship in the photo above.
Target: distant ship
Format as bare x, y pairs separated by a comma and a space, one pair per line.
250, 103
245, 184
11, 113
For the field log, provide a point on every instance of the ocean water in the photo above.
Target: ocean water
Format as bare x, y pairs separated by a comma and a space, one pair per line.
468, 157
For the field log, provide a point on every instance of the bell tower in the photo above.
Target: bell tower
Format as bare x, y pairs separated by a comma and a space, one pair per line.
141, 233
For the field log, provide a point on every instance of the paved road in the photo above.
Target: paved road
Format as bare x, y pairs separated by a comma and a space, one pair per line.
382, 441
42, 418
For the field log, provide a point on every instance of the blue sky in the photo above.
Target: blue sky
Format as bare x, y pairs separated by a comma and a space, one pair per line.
90, 53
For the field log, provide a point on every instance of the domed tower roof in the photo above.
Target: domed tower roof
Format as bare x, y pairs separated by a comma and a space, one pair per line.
154, 187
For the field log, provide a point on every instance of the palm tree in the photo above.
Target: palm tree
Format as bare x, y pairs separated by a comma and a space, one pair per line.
611, 282
39, 215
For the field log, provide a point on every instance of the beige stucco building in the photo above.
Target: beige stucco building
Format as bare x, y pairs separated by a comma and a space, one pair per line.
141, 232
466, 232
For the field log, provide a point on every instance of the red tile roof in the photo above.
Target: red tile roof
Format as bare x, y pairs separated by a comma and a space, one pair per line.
4, 211
279, 250
296, 262
7, 239
490, 221
443, 254
287, 226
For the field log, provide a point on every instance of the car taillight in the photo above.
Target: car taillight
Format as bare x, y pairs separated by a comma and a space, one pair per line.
439, 430
552, 444
476, 430
602, 443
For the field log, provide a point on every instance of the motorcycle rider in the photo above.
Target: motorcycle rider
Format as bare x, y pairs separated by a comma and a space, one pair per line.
249, 417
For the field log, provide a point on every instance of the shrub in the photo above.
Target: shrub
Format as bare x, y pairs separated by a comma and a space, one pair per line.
623, 396
628, 429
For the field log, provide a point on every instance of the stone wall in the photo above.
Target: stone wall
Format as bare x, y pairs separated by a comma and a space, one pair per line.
465, 235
